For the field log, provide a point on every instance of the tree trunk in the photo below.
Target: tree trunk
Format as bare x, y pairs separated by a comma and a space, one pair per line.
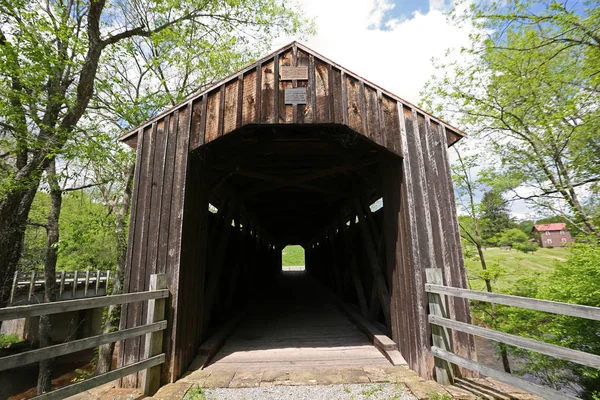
45, 326
477, 242
121, 212
14, 212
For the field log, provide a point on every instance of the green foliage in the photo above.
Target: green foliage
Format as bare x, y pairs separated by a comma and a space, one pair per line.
293, 256
440, 396
86, 235
495, 216
575, 280
527, 87
8, 341
526, 247
196, 392
526, 226
510, 237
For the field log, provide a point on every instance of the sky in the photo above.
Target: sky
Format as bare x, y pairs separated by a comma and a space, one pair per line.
388, 42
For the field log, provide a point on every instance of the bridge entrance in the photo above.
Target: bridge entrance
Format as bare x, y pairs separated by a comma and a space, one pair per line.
292, 150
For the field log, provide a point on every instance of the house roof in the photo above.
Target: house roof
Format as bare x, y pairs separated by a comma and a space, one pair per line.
556, 226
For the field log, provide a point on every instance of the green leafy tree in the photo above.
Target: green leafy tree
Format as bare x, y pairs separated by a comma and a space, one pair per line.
526, 226
467, 188
577, 280
51, 57
495, 215
528, 88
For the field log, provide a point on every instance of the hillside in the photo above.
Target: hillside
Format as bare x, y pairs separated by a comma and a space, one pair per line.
516, 265
292, 256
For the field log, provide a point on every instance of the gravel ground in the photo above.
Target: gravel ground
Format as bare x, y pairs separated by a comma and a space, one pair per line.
384, 391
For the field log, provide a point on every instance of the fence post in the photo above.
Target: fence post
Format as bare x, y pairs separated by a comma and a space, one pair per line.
440, 335
154, 340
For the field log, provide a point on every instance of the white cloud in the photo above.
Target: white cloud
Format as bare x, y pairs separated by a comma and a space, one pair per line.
397, 58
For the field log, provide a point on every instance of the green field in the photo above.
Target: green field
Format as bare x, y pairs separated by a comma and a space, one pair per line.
515, 265
293, 256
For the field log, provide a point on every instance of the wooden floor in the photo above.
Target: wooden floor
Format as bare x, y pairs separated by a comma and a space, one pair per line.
296, 328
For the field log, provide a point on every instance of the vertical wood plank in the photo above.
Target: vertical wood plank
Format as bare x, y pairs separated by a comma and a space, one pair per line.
312, 91
276, 89
87, 283
32, 286
212, 116
258, 92
132, 346
249, 100
230, 107
196, 120
202, 132
454, 268
344, 98
285, 111
154, 341
62, 283
267, 95
354, 105
294, 83
440, 335
221, 111
240, 102
73, 288
98, 283
363, 108
323, 103
391, 125
132, 234
176, 218
371, 115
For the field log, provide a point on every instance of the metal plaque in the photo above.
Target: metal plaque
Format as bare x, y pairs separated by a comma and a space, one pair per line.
295, 95
293, 73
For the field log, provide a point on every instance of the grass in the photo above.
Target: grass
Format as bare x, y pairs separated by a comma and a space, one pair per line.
293, 256
195, 393
371, 391
515, 265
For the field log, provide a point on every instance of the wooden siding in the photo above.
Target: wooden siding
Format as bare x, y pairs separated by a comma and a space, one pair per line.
334, 95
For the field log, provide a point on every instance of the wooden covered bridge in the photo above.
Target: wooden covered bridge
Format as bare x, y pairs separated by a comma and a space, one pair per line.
293, 149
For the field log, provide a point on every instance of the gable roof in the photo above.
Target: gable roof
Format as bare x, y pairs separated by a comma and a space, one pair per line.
556, 226
359, 96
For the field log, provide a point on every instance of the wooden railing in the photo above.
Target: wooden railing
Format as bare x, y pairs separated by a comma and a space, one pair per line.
29, 287
150, 366
441, 349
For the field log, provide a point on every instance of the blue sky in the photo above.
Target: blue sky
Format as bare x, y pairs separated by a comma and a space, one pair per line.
406, 9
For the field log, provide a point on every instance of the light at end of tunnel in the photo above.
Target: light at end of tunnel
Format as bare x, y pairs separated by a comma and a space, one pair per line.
293, 268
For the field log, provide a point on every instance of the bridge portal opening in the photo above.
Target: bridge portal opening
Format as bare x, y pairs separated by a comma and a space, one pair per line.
307, 189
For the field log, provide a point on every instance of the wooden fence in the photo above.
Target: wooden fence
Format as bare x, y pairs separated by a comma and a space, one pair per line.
156, 298
29, 287
441, 349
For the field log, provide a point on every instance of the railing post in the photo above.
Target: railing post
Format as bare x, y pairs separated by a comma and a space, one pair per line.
440, 335
154, 340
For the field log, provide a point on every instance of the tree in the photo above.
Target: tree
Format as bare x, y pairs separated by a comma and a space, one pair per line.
495, 215
467, 188
50, 57
528, 88
577, 280
517, 239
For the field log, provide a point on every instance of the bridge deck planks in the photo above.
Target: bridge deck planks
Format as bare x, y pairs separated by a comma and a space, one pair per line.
296, 328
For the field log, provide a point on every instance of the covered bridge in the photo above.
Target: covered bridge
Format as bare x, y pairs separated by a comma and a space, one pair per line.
293, 149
